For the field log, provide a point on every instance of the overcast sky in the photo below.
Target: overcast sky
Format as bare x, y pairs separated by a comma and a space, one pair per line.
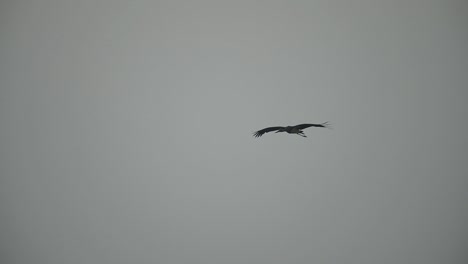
126, 132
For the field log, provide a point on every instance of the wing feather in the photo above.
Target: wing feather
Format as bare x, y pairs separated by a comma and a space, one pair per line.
303, 126
266, 130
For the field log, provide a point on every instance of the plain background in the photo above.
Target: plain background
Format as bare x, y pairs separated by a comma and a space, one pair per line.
126, 131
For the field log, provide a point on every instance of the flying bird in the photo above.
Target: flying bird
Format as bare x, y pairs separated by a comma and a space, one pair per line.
290, 129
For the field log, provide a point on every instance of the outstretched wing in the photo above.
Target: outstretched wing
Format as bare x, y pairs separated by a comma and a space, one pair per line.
266, 130
302, 126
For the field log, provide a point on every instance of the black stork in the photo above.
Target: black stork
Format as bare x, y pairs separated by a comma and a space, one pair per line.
290, 129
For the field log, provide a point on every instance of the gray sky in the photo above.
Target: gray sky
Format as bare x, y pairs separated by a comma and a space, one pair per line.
126, 132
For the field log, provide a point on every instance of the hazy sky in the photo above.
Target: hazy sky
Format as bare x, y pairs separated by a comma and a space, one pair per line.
126, 132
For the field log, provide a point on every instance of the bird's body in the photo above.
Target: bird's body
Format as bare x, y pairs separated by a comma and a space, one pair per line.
289, 129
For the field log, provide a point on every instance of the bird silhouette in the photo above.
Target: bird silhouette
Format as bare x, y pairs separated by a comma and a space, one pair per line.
297, 129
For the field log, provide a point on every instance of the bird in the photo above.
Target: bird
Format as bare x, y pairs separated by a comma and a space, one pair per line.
297, 129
